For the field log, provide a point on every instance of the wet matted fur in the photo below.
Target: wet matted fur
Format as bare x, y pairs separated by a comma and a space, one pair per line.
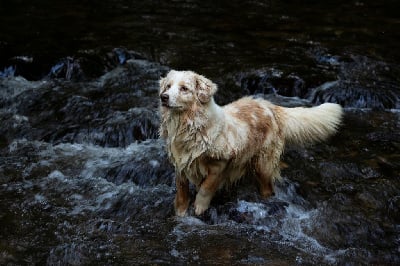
212, 146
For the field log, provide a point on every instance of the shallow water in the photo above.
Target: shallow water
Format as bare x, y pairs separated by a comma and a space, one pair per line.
84, 179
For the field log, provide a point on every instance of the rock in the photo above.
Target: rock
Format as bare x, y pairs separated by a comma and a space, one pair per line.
362, 83
116, 109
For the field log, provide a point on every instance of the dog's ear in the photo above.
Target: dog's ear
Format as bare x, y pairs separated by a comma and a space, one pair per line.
205, 88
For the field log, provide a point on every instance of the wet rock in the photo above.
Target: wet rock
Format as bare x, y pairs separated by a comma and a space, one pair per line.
351, 95
136, 75
362, 83
261, 82
11, 87
68, 68
7, 72
149, 170
115, 110
355, 81
83, 65
12, 126
274, 82
118, 129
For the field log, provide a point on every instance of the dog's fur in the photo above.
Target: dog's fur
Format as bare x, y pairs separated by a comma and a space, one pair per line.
212, 146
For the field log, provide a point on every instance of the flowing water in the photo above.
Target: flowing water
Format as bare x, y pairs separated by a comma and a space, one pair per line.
84, 178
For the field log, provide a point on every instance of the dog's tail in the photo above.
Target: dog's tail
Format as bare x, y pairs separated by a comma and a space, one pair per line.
309, 125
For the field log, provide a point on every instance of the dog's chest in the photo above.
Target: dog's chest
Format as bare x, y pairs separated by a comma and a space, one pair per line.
188, 162
183, 153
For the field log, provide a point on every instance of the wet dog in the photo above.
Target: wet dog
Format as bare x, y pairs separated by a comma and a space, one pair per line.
213, 146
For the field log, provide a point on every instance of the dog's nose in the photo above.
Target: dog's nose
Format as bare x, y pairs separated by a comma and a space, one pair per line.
164, 97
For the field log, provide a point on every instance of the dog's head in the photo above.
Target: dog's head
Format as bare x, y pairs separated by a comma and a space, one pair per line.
179, 90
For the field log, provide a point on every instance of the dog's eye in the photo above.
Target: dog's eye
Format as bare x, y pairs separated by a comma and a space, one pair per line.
168, 86
183, 88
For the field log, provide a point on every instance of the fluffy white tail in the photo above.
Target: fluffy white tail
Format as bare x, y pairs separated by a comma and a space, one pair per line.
308, 125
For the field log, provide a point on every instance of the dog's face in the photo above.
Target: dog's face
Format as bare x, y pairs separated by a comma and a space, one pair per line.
179, 90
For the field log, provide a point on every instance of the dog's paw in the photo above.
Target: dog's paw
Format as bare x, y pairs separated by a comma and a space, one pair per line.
181, 213
266, 194
202, 202
181, 205
199, 209
181, 210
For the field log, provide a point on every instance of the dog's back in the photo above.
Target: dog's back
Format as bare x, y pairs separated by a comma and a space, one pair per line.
260, 119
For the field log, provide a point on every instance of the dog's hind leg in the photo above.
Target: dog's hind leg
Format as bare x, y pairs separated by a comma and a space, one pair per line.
182, 196
209, 186
266, 170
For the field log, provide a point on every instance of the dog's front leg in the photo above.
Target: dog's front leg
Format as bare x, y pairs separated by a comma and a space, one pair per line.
182, 195
209, 186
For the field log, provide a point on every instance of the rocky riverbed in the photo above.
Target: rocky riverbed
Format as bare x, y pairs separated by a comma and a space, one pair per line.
84, 178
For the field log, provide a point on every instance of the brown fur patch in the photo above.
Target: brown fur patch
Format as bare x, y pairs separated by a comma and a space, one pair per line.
182, 195
253, 114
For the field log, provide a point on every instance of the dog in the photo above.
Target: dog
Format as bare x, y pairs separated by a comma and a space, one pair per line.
214, 146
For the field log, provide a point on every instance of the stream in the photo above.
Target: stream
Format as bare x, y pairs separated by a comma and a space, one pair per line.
84, 179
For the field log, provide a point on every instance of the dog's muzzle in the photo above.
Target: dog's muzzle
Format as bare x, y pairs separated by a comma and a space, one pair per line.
164, 99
